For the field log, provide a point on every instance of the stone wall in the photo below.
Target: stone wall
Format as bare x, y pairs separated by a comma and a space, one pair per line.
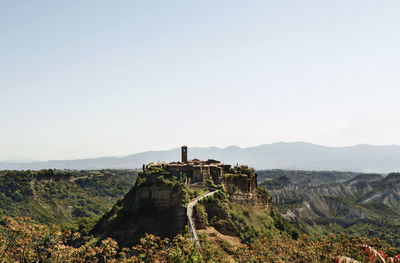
196, 170
240, 183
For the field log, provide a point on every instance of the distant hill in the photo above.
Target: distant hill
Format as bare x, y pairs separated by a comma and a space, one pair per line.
292, 156
302, 177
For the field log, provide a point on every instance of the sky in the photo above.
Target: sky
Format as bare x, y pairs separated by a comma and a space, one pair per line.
95, 78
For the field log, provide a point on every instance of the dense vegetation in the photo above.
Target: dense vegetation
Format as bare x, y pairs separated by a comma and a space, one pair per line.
22, 240
62, 196
74, 200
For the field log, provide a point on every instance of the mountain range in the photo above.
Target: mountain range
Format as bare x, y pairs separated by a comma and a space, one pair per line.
281, 155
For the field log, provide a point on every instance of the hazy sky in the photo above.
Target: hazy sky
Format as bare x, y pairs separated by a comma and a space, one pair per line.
102, 78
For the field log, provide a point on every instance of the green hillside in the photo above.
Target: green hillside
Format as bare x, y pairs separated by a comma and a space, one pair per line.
62, 196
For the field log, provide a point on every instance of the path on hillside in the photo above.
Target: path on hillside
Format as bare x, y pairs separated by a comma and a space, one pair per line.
189, 213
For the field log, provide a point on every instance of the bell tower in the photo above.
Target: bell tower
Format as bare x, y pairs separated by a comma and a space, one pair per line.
184, 154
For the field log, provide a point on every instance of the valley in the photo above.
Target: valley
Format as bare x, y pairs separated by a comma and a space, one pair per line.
62, 196
363, 205
197, 211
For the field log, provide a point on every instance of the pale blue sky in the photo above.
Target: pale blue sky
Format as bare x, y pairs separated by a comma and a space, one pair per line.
102, 78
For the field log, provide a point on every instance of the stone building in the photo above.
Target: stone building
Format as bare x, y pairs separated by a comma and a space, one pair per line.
239, 178
197, 171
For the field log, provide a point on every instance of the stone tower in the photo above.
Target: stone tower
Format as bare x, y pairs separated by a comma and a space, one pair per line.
184, 154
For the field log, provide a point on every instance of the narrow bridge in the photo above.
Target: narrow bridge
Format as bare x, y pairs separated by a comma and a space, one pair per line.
189, 213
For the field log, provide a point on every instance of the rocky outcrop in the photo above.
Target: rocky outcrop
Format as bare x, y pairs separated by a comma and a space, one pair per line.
156, 204
241, 188
155, 208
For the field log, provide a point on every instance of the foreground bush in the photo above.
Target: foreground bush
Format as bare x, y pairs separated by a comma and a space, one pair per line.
21, 240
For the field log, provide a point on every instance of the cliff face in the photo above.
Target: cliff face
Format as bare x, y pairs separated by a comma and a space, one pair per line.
156, 208
157, 205
243, 189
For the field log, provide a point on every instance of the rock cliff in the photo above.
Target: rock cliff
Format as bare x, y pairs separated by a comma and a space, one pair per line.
157, 205
150, 207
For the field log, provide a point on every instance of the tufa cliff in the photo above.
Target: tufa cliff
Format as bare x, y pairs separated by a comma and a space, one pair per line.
156, 207
157, 203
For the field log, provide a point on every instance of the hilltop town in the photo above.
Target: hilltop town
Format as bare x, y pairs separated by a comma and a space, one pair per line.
158, 202
239, 179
